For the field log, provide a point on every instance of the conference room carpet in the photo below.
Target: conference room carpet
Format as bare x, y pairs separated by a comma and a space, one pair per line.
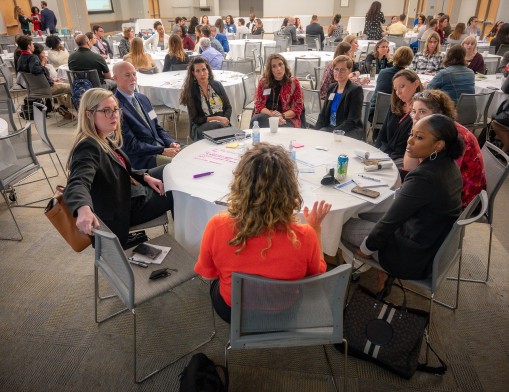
49, 340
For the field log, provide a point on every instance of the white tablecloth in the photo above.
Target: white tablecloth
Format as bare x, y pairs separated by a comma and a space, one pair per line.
164, 89
194, 198
237, 46
62, 70
325, 57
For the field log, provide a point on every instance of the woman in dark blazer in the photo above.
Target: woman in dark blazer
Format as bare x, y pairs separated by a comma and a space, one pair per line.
206, 100
101, 182
405, 240
343, 102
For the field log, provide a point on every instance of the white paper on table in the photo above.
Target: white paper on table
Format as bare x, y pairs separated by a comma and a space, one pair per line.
375, 155
313, 157
158, 260
365, 182
349, 185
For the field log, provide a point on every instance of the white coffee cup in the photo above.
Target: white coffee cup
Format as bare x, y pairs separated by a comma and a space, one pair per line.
6, 51
274, 124
485, 54
338, 135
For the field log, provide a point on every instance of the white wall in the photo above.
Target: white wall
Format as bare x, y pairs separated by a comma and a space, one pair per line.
273, 8
3, 29
466, 10
229, 7
389, 7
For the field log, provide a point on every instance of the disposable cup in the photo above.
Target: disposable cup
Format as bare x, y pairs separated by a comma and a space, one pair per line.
274, 124
338, 135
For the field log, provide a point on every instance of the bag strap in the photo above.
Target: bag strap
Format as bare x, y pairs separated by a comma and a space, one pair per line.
436, 370
225, 376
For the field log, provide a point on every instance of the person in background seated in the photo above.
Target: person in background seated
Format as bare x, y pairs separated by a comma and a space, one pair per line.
102, 184
205, 20
146, 143
221, 38
187, 41
392, 138
458, 35
471, 163
474, 59
343, 48
92, 41
206, 100
192, 25
399, 27
230, 26
197, 31
343, 105
251, 24
335, 29
472, 28
57, 53
291, 30
241, 29
443, 23
213, 57
176, 54
430, 60
206, 32
138, 57
502, 37
356, 70
380, 57
278, 94
314, 28
158, 41
421, 24
259, 233
406, 239
455, 79
258, 29
493, 32
125, 42
102, 44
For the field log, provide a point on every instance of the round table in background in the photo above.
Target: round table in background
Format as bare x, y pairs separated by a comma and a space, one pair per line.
325, 57
237, 46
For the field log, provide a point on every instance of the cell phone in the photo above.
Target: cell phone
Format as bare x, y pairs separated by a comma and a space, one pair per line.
147, 251
366, 192
160, 273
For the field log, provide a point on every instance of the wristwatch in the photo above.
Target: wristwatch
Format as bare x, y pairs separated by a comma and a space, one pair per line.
284, 116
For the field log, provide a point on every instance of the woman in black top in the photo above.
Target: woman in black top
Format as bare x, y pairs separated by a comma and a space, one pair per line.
502, 37
192, 25
379, 57
374, 20
24, 22
176, 54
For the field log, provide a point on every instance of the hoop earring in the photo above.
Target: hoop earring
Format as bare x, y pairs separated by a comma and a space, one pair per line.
433, 155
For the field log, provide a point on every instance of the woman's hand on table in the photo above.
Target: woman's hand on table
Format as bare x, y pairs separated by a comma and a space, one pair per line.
86, 220
220, 119
170, 152
156, 184
315, 216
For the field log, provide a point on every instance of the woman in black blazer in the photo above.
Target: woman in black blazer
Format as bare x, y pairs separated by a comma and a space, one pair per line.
405, 240
343, 102
101, 181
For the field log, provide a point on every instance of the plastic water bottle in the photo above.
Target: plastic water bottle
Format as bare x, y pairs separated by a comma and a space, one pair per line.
292, 152
256, 133
372, 72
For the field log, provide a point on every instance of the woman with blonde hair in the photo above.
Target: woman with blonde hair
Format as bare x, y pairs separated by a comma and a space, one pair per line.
458, 35
102, 183
137, 55
380, 57
125, 42
354, 42
429, 61
176, 54
259, 233
474, 59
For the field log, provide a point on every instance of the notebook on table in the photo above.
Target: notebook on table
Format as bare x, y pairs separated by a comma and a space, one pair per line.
221, 135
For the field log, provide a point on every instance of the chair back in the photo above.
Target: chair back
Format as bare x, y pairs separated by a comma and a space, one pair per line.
473, 109
496, 167
312, 105
319, 75
450, 250
112, 261
37, 85
365, 120
310, 41
397, 39
491, 64
17, 160
382, 107
305, 66
502, 49
7, 75
371, 47
249, 85
179, 67
421, 46
244, 66
281, 313
268, 50
491, 49
283, 41
252, 50
330, 47
7, 105
90, 74
40, 124
148, 71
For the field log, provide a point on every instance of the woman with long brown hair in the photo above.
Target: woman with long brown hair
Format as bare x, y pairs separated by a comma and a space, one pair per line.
380, 57
374, 19
259, 233
176, 54
137, 55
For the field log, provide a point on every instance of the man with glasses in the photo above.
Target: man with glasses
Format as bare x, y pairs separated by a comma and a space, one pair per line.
102, 45
146, 143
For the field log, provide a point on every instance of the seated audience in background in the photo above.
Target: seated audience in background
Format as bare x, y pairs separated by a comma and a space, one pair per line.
242, 30
213, 57
138, 57
493, 32
197, 31
283, 26
103, 45
421, 24
258, 27
57, 53
176, 54
158, 41
500, 121
335, 29
455, 79
125, 42
380, 57
299, 30
83, 59
502, 37
205, 20
398, 123
471, 163
259, 233
343, 48
220, 26
92, 40
187, 41
314, 28
102, 184
221, 38
473, 58
398, 28
230, 26
431, 28
179, 22
343, 104
206, 100
423, 211
291, 30
458, 35
429, 61
354, 42
503, 63
443, 22
278, 94
192, 25
51, 71
472, 28
145, 142
29, 62
402, 59
206, 33
17, 51
251, 23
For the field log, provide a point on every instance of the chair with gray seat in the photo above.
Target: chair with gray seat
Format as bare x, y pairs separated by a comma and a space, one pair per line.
268, 50
398, 40
249, 86
473, 110
502, 49
8, 107
382, 107
134, 288
310, 41
268, 313
491, 64
312, 105
304, 67
283, 41
252, 50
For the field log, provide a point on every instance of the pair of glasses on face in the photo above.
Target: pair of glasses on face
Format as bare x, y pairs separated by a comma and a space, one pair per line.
340, 70
109, 113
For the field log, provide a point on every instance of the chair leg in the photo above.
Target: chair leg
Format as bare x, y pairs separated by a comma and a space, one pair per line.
330, 368
7, 201
98, 297
29, 205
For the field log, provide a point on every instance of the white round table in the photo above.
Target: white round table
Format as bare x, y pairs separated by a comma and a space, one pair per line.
325, 57
62, 70
237, 46
195, 198
165, 88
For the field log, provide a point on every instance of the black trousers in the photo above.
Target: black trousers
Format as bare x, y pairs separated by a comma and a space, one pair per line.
222, 309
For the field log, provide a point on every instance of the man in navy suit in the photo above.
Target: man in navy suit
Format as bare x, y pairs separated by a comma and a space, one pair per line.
146, 143
48, 19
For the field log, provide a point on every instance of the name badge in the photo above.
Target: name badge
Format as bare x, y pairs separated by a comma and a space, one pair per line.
266, 91
152, 114
331, 96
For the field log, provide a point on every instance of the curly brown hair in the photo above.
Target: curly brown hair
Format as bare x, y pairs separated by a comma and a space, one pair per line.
268, 76
437, 101
264, 195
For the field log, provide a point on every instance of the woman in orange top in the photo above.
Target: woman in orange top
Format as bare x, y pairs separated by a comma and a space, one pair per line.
259, 233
